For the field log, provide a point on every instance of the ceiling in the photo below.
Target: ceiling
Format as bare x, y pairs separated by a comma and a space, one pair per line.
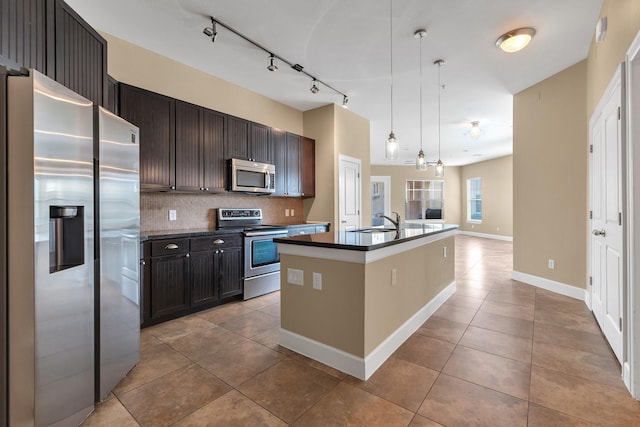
347, 44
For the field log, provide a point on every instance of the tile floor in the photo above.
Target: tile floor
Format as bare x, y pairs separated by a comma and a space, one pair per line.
497, 353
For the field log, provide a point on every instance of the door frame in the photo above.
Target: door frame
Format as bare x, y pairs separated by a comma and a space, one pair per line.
631, 133
342, 158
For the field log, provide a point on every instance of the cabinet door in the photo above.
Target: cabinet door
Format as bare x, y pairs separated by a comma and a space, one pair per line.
204, 287
169, 291
261, 146
111, 102
237, 138
80, 55
307, 167
154, 115
189, 143
145, 290
293, 165
279, 139
23, 35
230, 270
214, 163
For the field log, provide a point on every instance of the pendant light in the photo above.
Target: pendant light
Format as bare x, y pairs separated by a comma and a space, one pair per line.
392, 145
421, 162
439, 165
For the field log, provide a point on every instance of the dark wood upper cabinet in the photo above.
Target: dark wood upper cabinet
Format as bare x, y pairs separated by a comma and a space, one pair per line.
307, 167
189, 159
213, 150
154, 114
293, 165
80, 55
260, 143
279, 141
23, 34
111, 103
236, 145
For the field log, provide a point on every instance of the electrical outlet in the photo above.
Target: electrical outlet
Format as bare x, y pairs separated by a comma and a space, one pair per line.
286, 212
172, 215
552, 264
293, 212
444, 252
497, 228
317, 281
394, 277
473, 226
295, 276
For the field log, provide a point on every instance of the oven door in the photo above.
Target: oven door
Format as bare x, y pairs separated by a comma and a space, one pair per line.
261, 253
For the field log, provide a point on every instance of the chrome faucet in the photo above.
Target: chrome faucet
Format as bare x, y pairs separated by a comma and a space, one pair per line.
396, 223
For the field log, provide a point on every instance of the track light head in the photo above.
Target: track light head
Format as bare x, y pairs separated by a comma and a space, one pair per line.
211, 31
314, 87
272, 63
345, 101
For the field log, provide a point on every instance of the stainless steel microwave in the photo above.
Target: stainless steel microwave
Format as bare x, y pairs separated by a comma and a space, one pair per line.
251, 177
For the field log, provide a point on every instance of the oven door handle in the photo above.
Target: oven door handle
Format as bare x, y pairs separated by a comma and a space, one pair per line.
265, 233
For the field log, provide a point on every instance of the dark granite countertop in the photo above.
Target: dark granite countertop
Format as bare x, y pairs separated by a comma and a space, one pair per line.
195, 232
363, 241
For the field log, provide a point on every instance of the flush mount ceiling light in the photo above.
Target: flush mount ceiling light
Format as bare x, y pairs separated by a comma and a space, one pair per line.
439, 164
272, 63
392, 145
475, 132
515, 40
315, 88
421, 162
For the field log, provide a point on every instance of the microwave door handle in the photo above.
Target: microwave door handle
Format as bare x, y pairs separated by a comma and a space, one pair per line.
268, 180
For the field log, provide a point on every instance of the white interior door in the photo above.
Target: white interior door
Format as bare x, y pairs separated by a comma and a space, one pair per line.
349, 193
606, 224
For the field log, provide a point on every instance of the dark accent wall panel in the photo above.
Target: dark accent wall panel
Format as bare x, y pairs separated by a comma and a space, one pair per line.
81, 55
22, 34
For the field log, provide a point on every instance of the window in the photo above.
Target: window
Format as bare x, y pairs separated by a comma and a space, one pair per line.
474, 200
424, 199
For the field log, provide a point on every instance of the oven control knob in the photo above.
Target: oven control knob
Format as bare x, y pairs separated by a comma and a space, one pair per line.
256, 213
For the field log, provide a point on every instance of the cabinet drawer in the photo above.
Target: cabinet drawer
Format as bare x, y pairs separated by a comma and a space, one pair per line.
216, 242
169, 247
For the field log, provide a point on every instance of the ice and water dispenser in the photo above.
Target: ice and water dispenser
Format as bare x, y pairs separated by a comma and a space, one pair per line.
66, 237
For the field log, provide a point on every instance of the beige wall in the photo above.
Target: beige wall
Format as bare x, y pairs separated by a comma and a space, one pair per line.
136, 66
550, 176
550, 155
497, 196
336, 131
398, 174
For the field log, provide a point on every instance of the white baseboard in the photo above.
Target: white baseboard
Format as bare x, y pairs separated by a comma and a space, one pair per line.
550, 285
359, 367
486, 235
587, 299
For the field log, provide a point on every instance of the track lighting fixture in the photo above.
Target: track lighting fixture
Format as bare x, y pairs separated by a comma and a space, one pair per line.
315, 88
211, 31
272, 63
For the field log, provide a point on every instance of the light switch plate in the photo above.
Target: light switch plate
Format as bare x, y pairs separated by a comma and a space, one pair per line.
317, 281
295, 276
172, 215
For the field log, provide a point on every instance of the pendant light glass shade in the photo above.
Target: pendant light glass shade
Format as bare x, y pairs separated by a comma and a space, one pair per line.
439, 169
421, 162
391, 148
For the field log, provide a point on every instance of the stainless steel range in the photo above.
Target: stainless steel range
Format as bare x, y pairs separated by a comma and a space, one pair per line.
261, 258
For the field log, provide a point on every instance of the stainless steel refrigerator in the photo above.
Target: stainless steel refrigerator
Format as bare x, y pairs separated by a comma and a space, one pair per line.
62, 296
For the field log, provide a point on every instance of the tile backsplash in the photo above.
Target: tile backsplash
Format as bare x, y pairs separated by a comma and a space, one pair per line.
197, 211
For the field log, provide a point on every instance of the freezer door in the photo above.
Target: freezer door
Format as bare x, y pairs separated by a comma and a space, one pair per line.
119, 249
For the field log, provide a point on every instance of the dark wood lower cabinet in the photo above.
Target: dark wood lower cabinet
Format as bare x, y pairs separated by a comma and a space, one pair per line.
169, 290
206, 272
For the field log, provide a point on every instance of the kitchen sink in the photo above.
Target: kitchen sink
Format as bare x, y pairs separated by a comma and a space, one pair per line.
373, 230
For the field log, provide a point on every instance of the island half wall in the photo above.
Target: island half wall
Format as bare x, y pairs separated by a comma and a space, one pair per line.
369, 303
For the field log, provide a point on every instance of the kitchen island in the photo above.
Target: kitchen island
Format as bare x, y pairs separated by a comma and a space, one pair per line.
349, 299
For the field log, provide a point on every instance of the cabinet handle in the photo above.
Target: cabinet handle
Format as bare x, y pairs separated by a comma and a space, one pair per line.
171, 246
217, 252
218, 242
206, 188
173, 187
201, 188
143, 262
221, 251
187, 255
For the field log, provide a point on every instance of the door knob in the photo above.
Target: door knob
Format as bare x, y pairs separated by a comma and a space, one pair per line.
599, 233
